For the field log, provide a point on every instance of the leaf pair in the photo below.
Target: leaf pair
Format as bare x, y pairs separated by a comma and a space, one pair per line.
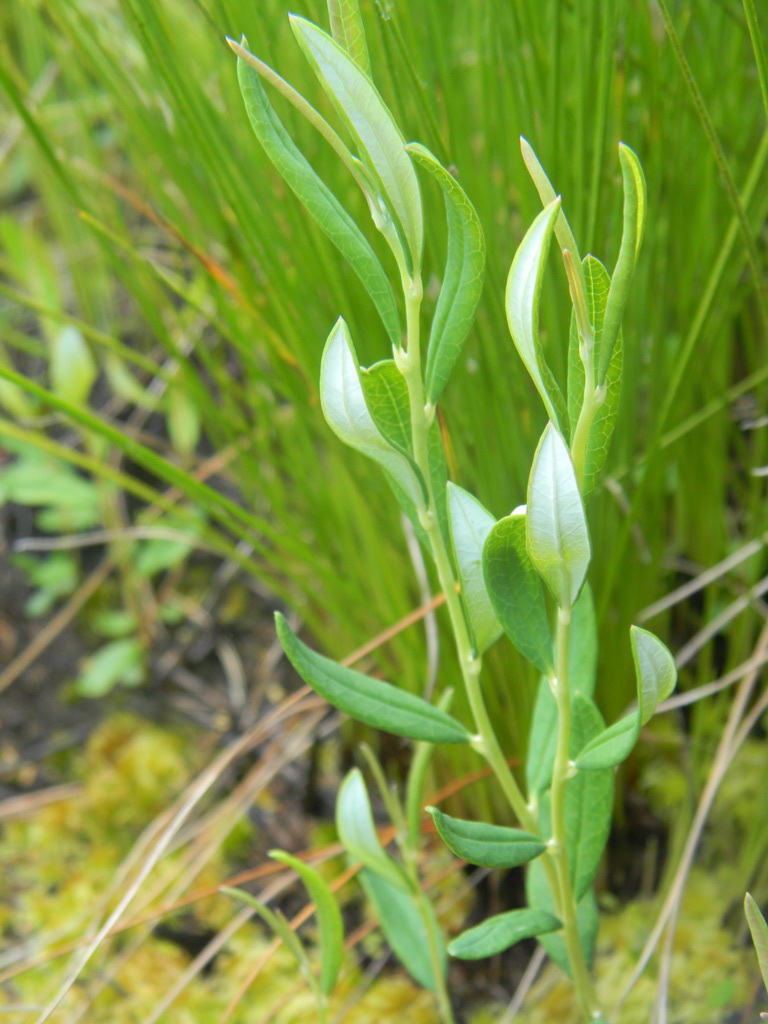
548, 542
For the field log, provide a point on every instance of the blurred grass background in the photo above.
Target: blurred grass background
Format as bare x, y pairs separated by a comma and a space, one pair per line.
137, 206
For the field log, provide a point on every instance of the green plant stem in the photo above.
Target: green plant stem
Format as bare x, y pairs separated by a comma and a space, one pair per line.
561, 773
593, 399
471, 664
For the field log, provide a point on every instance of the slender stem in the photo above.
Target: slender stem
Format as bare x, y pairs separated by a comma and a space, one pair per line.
561, 772
471, 664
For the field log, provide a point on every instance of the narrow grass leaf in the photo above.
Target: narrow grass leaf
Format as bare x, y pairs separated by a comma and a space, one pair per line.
523, 297
405, 929
490, 846
357, 832
319, 201
516, 593
344, 405
502, 931
558, 541
656, 678
369, 700
371, 124
597, 284
462, 282
539, 896
329, 922
349, 32
759, 931
470, 524
631, 239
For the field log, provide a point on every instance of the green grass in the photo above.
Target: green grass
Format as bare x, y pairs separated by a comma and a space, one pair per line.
150, 214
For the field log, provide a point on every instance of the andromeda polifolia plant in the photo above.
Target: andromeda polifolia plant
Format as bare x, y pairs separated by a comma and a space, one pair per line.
525, 575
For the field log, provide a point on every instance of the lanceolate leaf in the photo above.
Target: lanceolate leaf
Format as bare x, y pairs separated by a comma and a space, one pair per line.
558, 541
405, 929
344, 405
597, 283
632, 234
317, 198
540, 897
491, 846
369, 700
463, 280
759, 931
348, 31
386, 395
656, 678
329, 920
357, 832
522, 301
370, 122
516, 593
470, 525
502, 931
542, 741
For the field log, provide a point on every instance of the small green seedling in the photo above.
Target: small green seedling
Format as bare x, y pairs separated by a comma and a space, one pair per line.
524, 575
759, 931
329, 923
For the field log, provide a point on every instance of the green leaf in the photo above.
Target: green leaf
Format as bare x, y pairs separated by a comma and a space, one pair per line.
344, 405
404, 928
378, 138
759, 931
522, 301
348, 31
540, 897
632, 234
276, 922
588, 802
583, 644
329, 922
72, 367
369, 700
516, 593
502, 931
319, 201
542, 741
491, 846
183, 419
463, 279
357, 831
558, 541
582, 668
470, 524
386, 395
656, 678
119, 663
547, 195
597, 284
